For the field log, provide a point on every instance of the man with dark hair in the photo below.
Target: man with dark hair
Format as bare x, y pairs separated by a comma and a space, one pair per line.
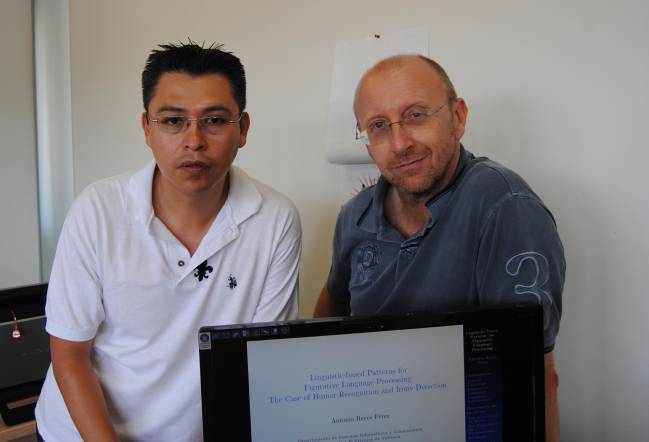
442, 229
144, 259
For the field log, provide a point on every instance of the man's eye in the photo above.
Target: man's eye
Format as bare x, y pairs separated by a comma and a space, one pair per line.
415, 116
377, 125
173, 121
214, 121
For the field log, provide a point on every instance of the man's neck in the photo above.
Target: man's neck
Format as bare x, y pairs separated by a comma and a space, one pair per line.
407, 212
188, 217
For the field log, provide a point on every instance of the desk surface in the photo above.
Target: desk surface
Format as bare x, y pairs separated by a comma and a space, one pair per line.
8, 433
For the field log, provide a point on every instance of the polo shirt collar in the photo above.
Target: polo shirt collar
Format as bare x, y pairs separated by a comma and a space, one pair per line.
371, 216
244, 200
140, 192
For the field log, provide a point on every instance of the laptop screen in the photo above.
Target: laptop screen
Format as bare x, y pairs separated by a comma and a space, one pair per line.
467, 376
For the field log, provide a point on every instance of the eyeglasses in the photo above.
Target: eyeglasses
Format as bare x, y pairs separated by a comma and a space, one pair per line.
212, 124
380, 129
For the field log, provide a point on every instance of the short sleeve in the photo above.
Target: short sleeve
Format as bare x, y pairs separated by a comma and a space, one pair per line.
74, 309
521, 260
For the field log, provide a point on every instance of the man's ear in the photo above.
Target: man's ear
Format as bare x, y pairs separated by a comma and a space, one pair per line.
146, 127
244, 125
460, 115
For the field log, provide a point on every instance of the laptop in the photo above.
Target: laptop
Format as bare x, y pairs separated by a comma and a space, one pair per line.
461, 376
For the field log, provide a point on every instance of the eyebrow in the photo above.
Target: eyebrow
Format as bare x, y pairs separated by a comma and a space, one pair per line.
218, 107
171, 109
214, 108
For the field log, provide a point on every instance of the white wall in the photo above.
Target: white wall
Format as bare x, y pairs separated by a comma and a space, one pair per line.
19, 245
556, 90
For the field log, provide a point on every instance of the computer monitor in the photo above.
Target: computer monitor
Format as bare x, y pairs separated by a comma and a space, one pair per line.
461, 376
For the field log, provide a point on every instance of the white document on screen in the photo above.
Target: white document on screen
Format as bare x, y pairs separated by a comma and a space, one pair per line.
405, 385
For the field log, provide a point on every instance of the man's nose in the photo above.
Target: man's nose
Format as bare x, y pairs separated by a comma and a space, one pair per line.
194, 138
400, 139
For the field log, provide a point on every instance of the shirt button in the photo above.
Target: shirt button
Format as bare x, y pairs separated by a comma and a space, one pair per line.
181, 263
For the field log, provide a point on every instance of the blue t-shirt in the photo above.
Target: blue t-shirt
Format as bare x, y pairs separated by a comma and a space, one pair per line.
490, 240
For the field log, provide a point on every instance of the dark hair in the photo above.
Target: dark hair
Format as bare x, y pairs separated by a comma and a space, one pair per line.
194, 60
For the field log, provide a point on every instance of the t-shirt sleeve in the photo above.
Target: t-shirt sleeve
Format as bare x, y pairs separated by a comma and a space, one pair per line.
521, 260
74, 308
340, 271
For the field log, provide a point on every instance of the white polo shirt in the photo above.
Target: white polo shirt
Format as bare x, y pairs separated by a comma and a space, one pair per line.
121, 278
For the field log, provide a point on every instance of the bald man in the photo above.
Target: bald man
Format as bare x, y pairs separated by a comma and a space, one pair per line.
442, 229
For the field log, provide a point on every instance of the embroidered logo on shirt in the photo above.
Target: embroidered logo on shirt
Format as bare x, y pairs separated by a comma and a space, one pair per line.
202, 271
232, 282
367, 257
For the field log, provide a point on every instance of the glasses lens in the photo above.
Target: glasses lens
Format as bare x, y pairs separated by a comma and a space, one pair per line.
214, 124
172, 124
416, 118
377, 132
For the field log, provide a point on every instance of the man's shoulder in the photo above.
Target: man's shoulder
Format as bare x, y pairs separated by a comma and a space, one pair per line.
489, 178
103, 201
250, 195
356, 206
487, 187
274, 197
104, 192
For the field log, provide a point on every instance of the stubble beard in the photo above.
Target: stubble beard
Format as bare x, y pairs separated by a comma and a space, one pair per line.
431, 184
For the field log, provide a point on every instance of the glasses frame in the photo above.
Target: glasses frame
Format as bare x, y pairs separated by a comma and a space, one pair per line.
364, 136
188, 121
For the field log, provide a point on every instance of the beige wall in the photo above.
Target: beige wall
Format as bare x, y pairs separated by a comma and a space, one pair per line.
556, 90
19, 241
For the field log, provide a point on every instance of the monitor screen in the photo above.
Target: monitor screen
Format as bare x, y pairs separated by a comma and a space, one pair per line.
464, 376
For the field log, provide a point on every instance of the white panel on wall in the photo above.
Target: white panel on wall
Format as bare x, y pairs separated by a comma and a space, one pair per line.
353, 58
19, 240
53, 122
